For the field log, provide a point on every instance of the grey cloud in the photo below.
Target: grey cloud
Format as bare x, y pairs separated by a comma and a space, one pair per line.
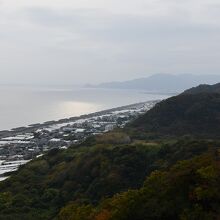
90, 20
85, 45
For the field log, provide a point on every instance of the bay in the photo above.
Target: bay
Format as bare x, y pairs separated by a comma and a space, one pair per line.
21, 106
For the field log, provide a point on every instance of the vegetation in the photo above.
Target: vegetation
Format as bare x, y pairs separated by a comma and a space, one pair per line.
87, 175
204, 89
196, 115
188, 190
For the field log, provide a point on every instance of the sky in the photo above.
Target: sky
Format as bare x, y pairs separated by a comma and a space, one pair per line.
84, 41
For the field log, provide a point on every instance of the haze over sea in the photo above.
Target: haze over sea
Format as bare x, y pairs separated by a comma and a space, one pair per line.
21, 106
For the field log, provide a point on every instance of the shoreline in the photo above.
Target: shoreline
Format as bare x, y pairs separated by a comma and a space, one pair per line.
33, 127
22, 144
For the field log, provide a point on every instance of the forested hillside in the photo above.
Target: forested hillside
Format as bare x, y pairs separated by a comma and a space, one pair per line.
188, 190
86, 175
204, 89
186, 114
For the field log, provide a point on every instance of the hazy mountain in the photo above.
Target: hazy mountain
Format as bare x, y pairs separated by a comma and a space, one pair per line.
163, 82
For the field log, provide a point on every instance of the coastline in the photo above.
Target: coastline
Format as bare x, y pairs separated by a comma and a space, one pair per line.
20, 145
34, 127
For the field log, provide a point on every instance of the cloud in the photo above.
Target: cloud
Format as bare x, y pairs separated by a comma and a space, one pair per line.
107, 40
103, 24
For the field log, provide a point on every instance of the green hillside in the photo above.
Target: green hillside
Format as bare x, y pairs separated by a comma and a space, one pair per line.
87, 175
186, 114
188, 190
204, 89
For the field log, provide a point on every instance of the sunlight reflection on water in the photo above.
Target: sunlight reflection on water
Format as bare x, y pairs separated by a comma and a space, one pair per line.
24, 106
70, 108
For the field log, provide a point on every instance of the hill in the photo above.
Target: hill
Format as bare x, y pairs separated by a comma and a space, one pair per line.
204, 89
166, 83
86, 175
188, 190
190, 113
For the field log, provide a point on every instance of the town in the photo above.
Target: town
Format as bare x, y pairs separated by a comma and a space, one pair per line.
20, 145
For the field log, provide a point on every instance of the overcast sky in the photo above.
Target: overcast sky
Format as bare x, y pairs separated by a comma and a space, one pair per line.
84, 41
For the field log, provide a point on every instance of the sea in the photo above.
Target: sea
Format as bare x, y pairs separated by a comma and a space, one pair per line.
25, 105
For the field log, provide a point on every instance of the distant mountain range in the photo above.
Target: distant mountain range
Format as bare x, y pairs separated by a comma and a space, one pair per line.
162, 82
